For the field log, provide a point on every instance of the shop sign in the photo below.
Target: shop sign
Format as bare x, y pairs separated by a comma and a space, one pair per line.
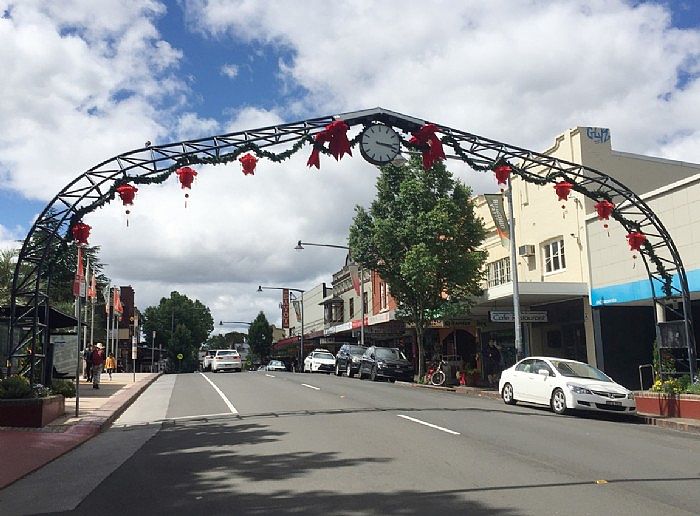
509, 317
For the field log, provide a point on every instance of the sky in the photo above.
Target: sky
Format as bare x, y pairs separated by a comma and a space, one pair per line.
82, 84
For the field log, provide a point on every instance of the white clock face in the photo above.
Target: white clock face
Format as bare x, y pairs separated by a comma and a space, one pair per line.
379, 144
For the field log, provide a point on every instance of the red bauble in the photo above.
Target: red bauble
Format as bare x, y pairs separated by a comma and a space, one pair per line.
186, 176
636, 240
502, 173
563, 189
604, 209
81, 232
127, 193
248, 162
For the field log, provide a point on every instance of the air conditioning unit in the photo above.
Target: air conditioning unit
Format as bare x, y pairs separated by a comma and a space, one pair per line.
526, 250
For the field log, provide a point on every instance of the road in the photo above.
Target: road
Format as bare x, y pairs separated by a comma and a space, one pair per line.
283, 443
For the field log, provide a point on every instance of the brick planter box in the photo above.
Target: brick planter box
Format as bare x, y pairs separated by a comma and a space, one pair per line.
31, 412
670, 405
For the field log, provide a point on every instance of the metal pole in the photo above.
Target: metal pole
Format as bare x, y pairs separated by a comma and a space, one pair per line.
514, 274
92, 320
362, 307
301, 340
77, 367
108, 319
153, 348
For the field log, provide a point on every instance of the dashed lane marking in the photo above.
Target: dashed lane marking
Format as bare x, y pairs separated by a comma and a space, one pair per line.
425, 423
269, 375
311, 387
223, 396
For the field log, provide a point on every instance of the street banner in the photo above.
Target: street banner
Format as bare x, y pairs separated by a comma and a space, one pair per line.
285, 308
297, 308
117, 302
92, 290
79, 279
355, 277
498, 214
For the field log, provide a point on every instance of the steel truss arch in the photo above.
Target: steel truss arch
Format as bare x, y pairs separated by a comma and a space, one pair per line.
28, 337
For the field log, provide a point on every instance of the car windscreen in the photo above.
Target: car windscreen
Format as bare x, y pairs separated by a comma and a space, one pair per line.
357, 350
324, 355
578, 370
227, 353
389, 354
276, 363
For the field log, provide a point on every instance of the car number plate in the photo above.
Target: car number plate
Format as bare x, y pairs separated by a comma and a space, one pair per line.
616, 403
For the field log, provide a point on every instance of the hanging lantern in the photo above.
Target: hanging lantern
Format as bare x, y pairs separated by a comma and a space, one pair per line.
635, 240
502, 173
248, 162
563, 189
81, 233
127, 193
604, 209
186, 176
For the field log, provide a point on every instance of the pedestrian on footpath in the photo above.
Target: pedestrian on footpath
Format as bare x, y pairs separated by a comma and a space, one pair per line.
110, 365
87, 358
98, 360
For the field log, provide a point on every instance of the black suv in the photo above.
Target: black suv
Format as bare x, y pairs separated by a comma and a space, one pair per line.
348, 359
378, 362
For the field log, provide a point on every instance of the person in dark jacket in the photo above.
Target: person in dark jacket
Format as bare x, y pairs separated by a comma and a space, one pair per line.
87, 358
98, 360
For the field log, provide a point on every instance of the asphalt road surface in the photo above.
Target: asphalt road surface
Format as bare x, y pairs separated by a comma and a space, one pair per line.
283, 443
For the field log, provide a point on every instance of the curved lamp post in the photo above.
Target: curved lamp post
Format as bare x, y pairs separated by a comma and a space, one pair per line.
301, 339
300, 247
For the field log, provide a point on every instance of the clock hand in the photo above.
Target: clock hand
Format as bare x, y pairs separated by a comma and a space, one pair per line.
390, 145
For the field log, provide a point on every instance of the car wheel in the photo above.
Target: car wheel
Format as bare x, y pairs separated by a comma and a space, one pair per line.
507, 394
338, 372
348, 371
359, 374
373, 375
558, 402
392, 380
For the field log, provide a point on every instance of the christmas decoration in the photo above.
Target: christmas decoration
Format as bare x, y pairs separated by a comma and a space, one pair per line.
429, 144
81, 232
502, 173
563, 189
635, 240
248, 161
335, 134
127, 193
186, 176
604, 209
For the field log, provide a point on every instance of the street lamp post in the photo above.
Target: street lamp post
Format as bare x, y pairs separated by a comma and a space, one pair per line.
300, 247
301, 338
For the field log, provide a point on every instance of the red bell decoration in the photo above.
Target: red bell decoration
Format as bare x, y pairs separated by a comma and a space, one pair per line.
635, 240
81, 233
563, 189
430, 144
127, 193
186, 176
604, 209
502, 174
336, 135
248, 162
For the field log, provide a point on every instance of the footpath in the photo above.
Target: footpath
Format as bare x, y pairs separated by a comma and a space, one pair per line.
24, 450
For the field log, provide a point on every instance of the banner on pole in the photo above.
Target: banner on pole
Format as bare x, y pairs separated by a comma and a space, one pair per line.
297, 308
79, 279
285, 308
355, 277
498, 214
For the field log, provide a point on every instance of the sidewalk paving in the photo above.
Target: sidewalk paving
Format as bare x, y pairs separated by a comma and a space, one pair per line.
24, 450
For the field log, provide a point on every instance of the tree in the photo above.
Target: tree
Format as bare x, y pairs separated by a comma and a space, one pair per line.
226, 341
422, 236
260, 336
181, 325
8, 261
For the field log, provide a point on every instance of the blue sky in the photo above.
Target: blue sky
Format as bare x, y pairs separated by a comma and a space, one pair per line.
84, 85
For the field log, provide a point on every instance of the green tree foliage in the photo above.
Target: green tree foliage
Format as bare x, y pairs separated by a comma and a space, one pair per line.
260, 337
181, 325
422, 236
226, 341
8, 260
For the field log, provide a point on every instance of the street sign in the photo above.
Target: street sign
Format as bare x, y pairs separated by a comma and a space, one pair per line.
134, 348
509, 317
180, 356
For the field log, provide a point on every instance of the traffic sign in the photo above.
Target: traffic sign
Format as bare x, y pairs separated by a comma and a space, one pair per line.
180, 356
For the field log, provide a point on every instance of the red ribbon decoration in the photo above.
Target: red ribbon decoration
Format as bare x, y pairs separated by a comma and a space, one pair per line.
248, 161
186, 176
127, 193
430, 144
563, 189
635, 240
336, 135
81, 232
502, 173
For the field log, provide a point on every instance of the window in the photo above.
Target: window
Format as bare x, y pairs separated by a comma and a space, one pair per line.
525, 366
351, 307
499, 272
383, 301
554, 256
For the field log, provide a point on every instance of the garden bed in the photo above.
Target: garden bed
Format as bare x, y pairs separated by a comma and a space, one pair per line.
31, 412
669, 405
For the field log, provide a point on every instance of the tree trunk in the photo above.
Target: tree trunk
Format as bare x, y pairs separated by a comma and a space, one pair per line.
421, 355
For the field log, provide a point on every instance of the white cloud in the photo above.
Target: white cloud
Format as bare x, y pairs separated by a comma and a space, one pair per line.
229, 70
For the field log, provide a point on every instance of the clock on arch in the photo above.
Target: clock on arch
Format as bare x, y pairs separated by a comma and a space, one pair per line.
379, 144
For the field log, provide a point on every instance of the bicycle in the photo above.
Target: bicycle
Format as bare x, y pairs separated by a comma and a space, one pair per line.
436, 376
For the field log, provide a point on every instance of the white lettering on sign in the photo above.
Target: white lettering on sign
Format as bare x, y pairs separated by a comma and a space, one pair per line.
508, 317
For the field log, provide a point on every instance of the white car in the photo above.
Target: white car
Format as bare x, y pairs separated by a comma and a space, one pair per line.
226, 359
564, 385
208, 356
275, 365
319, 361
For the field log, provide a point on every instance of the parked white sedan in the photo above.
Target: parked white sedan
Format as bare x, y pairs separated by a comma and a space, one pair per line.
564, 385
319, 361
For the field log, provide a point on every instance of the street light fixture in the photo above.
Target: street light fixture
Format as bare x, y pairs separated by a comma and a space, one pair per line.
301, 338
300, 247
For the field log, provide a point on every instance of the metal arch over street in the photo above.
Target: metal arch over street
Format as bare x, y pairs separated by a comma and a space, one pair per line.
29, 336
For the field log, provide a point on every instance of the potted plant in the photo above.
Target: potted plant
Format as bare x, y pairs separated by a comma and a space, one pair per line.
23, 405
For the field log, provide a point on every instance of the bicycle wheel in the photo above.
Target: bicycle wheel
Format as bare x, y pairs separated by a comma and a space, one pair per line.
438, 378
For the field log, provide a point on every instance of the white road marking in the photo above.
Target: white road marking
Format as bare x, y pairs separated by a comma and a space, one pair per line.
199, 416
311, 387
269, 375
223, 396
429, 424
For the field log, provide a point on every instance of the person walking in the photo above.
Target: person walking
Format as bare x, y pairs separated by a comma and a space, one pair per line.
87, 359
110, 365
98, 360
